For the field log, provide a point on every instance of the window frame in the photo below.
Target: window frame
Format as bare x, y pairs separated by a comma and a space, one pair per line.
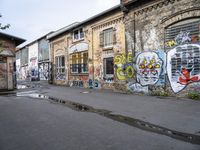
105, 67
79, 33
60, 64
108, 35
80, 63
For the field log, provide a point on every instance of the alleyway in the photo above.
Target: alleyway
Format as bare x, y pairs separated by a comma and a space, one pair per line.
43, 116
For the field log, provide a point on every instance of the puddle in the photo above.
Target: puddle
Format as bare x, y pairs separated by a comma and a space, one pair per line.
22, 87
85, 92
191, 138
7, 93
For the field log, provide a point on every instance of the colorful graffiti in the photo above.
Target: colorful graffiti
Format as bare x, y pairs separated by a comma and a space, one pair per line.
60, 76
94, 84
44, 71
183, 66
124, 66
76, 83
183, 38
149, 67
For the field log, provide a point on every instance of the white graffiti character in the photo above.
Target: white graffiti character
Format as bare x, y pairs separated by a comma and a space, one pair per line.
148, 67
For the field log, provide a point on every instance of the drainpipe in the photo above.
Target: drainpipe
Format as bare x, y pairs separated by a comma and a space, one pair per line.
92, 55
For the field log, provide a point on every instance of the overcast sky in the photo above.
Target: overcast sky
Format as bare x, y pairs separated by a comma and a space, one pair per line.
31, 19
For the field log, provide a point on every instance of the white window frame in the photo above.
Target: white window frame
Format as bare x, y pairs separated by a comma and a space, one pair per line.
59, 66
79, 34
108, 35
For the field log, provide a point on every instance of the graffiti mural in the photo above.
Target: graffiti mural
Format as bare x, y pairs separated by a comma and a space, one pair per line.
124, 66
44, 71
149, 67
183, 66
33, 70
94, 84
76, 83
60, 76
136, 87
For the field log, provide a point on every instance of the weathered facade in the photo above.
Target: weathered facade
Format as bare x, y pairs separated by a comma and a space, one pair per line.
32, 60
83, 53
163, 37
8, 45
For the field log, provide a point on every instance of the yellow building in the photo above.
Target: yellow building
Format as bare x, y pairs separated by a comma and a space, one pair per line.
83, 53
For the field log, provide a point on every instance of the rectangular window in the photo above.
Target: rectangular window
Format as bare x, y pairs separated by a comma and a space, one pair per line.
108, 66
108, 37
79, 62
60, 65
78, 34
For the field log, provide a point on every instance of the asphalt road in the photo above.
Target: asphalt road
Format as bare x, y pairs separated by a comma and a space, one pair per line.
37, 124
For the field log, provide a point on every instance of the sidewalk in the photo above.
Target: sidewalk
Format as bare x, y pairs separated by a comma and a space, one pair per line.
176, 114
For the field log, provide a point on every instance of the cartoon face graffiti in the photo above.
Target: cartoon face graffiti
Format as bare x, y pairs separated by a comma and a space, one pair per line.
183, 66
148, 67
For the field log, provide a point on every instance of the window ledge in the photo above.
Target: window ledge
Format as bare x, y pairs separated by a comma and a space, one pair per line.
108, 48
79, 74
79, 40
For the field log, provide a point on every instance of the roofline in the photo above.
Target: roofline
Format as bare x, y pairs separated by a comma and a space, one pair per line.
21, 40
129, 3
87, 20
35, 40
60, 31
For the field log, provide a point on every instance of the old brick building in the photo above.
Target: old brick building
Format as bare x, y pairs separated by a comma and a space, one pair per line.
8, 45
164, 39
83, 53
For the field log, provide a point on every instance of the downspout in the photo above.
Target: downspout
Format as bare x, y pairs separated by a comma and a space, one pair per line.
92, 55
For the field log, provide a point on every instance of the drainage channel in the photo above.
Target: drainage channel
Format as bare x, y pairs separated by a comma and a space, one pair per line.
191, 138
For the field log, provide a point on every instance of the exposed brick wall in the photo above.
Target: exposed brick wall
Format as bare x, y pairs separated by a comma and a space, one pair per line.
145, 29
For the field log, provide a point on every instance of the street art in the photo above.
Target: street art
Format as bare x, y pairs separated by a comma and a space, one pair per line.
94, 84
182, 38
44, 71
124, 66
183, 66
60, 76
136, 87
76, 83
33, 69
149, 67
84, 78
108, 80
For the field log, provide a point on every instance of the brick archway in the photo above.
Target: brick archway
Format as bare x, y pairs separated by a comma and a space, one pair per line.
181, 15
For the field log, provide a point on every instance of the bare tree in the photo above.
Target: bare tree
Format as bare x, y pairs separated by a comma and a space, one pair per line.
3, 27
